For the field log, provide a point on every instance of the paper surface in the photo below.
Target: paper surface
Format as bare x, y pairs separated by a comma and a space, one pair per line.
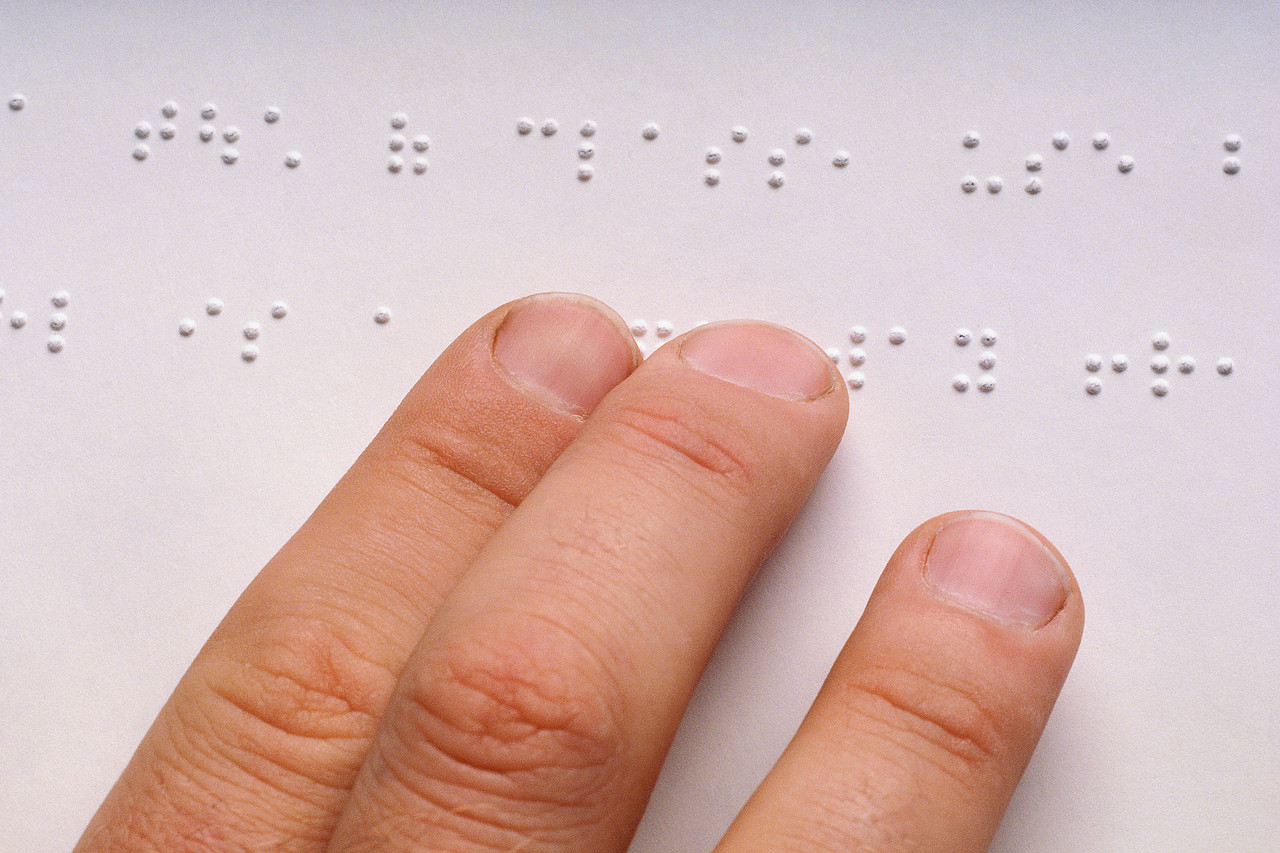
147, 475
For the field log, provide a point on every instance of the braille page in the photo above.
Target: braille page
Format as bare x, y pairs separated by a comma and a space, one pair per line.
1040, 242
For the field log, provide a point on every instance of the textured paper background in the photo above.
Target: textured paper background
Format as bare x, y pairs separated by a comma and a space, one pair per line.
146, 477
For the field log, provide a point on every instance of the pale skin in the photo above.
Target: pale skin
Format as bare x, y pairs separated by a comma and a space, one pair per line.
485, 636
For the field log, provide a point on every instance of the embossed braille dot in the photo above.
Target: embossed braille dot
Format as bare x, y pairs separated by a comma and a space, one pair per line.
1160, 387
394, 164
421, 142
168, 131
213, 307
141, 152
293, 159
639, 327
777, 179
777, 157
841, 159
60, 299
396, 142
187, 327
169, 109
382, 316
550, 127
209, 112
419, 165
251, 331
18, 319
17, 102
650, 131
207, 132
1231, 142
56, 343
711, 177
857, 356
1101, 141
738, 134
588, 128
231, 133
1231, 165
714, 155
1034, 162
1093, 362
279, 310
986, 384
142, 129
1033, 186
1093, 387
833, 353
857, 379
271, 115
1119, 362
1159, 364
988, 361
962, 337
804, 136
989, 337
230, 156
585, 173
1186, 364
524, 126
249, 353
586, 151
1061, 140
398, 121
1226, 366
858, 334
994, 184
968, 183
897, 336
1160, 341
971, 140
960, 382
1125, 164
663, 328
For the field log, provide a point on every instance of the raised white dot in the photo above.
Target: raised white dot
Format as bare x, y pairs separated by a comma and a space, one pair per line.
588, 128
213, 307
650, 131
897, 336
840, 159
858, 334
738, 133
1225, 366
1125, 164
1186, 364
395, 163
971, 140
382, 316
60, 299
271, 115
1093, 362
639, 327
18, 319
968, 183
1034, 186
1101, 141
56, 343
251, 331
857, 379
141, 152
989, 337
550, 127
421, 142
994, 184
168, 131
1231, 165
1160, 387
58, 322
142, 129
1061, 140
586, 151
857, 356
169, 109
711, 177
1119, 362
420, 165
209, 112
988, 361
1159, 364
1093, 387
1231, 142
230, 156
207, 132
777, 179
986, 384
231, 133
663, 328
1034, 162
777, 157
396, 142
187, 327
398, 121
586, 172
804, 136
714, 155
249, 353
962, 337
833, 353
1160, 341
293, 159
279, 310
960, 382
17, 101
524, 126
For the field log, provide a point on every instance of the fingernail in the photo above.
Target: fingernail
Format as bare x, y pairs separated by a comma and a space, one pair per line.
563, 349
995, 565
760, 356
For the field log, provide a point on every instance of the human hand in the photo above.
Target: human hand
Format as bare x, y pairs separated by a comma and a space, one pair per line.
485, 636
